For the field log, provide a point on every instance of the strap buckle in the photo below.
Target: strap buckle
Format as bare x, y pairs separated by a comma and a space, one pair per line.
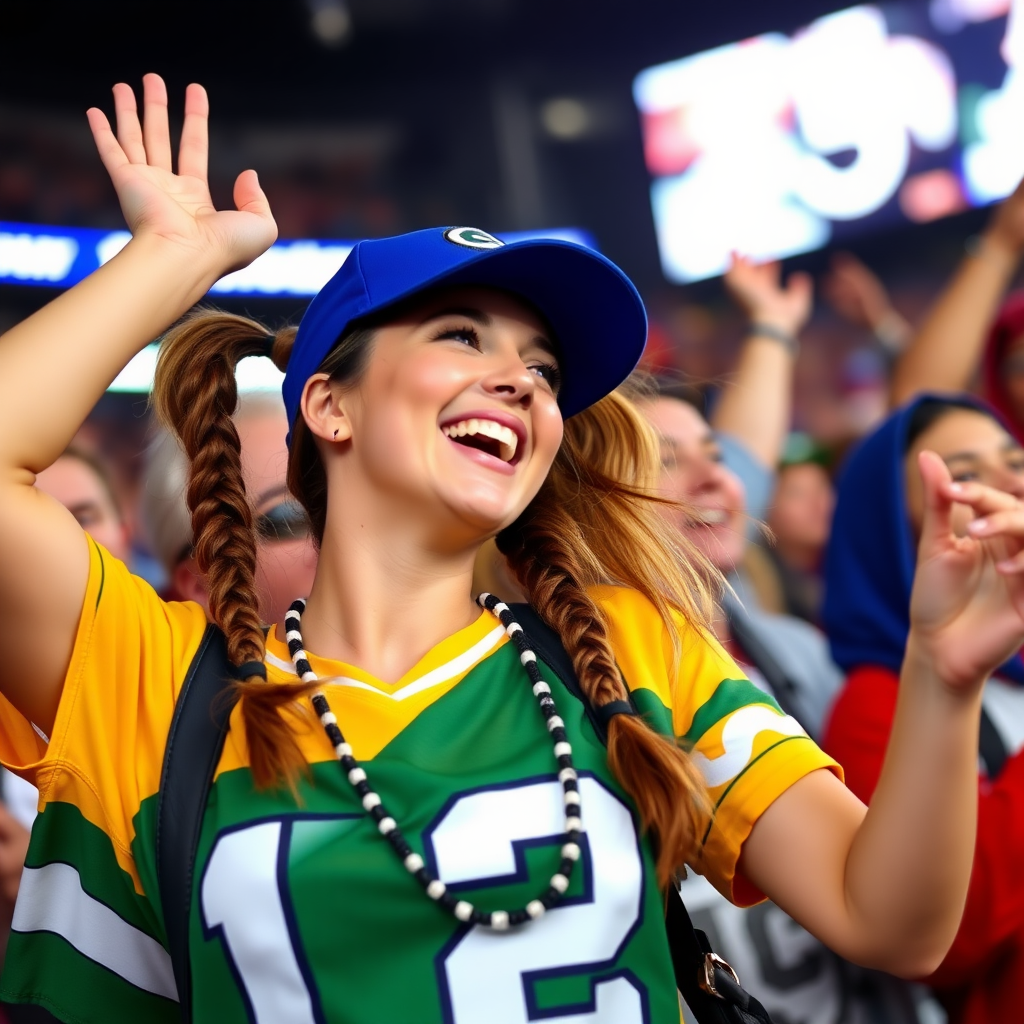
707, 976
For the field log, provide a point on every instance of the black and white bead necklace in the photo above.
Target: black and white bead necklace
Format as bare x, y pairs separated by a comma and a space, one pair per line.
499, 920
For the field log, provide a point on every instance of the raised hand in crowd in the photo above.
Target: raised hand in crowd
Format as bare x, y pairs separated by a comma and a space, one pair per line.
756, 402
857, 294
180, 246
948, 349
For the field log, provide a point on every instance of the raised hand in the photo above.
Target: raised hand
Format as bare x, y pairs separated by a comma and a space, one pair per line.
177, 207
758, 289
967, 604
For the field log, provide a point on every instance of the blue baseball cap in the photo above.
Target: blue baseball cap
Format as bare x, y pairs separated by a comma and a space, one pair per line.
594, 310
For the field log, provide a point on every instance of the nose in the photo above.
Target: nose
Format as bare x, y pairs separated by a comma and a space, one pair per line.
511, 380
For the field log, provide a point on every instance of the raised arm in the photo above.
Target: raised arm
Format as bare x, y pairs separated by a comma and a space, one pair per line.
756, 404
947, 350
886, 887
55, 365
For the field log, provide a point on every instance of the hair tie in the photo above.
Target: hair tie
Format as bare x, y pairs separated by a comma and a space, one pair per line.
604, 713
268, 345
248, 669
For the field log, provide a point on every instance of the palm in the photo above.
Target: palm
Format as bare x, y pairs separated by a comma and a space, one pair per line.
177, 206
758, 289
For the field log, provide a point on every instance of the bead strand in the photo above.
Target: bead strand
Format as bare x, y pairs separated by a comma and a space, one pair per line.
463, 910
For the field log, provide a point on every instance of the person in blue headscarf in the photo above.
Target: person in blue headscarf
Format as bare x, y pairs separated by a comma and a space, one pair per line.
869, 569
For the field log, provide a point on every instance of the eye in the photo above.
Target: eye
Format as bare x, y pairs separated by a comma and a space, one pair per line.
964, 476
465, 335
550, 373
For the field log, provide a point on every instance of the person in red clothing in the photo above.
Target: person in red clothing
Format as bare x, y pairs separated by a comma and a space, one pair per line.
868, 573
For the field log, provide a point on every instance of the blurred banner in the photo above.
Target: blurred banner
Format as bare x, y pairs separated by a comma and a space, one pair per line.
60, 257
31, 254
869, 117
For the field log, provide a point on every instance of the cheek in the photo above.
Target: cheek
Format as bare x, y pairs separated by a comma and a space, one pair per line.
284, 571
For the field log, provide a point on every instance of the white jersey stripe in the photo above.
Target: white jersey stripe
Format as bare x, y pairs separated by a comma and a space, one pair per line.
462, 663
51, 899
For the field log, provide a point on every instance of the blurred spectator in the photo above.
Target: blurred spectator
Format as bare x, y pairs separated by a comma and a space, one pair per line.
869, 569
82, 485
756, 405
856, 293
950, 347
800, 517
285, 554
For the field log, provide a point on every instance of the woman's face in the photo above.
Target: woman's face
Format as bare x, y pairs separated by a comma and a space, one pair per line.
454, 423
76, 485
693, 472
974, 447
801, 512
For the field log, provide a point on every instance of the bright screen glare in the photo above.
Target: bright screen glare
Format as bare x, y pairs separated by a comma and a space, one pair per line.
874, 115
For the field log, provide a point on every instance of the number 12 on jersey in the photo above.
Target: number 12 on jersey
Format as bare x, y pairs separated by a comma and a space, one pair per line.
485, 977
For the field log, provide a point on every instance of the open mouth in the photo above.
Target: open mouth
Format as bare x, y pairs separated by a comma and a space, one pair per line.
494, 439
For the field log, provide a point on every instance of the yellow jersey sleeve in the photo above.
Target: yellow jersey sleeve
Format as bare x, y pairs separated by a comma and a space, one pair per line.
748, 750
131, 653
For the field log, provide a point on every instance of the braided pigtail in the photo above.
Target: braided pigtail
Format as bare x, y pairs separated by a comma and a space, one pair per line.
595, 521
195, 395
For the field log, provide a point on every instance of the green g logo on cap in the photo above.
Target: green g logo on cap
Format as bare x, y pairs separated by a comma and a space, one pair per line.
473, 238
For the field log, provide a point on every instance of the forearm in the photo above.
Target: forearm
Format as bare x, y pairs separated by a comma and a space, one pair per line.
755, 406
55, 365
909, 863
947, 350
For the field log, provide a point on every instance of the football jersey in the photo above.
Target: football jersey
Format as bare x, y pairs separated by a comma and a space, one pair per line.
301, 912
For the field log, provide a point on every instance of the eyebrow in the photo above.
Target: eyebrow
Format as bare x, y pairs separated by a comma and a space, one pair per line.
272, 492
476, 315
484, 319
1009, 445
81, 507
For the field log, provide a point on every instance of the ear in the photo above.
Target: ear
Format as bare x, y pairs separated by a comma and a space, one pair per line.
323, 410
189, 583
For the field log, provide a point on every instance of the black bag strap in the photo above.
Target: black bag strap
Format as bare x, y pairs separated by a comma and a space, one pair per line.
720, 999
194, 745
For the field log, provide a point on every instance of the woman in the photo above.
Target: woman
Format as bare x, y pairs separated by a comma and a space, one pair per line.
869, 569
433, 424
285, 555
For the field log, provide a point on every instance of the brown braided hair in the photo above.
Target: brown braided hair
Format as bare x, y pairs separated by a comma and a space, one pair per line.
594, 521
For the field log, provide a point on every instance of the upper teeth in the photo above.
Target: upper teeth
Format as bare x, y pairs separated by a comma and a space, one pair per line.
506, 438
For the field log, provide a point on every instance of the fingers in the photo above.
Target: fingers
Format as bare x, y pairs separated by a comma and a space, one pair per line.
195, 146
156, 133
129, 131
800, 286
109, 149
937, 524
984, 500
249, 197
149, 142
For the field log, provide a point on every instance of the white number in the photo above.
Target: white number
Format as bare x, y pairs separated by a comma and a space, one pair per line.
488, 974
241, 898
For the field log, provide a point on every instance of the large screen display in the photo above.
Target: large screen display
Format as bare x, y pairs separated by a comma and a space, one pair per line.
871, 116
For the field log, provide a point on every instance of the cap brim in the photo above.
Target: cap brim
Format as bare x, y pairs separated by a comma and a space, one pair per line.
595, 311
